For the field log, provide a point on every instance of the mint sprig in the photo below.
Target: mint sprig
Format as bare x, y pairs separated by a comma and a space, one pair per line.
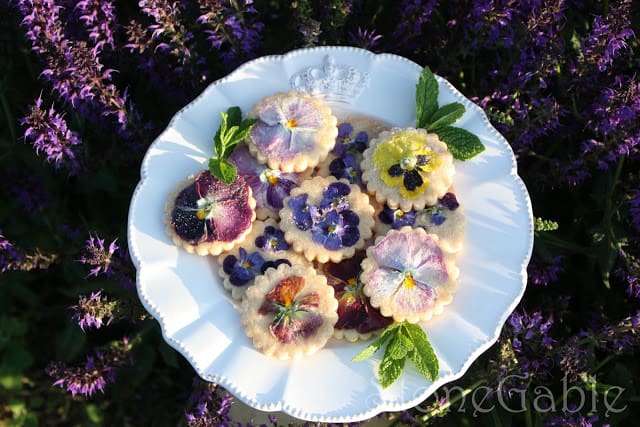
430, 116
404, 341
231, 132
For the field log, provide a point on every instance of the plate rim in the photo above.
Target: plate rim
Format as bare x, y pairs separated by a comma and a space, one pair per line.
383, 405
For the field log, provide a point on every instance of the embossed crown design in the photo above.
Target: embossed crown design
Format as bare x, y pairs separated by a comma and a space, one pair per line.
337, 82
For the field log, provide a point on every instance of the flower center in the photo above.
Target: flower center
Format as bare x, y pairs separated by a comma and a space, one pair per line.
291, 123
331, 228
408, 280
206, 208
271, 177
408, 163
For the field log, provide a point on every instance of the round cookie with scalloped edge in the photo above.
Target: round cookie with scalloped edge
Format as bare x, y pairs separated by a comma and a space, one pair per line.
327, 219
408, 276
262, 249
407, 168
207, 216
293, 132
289, 312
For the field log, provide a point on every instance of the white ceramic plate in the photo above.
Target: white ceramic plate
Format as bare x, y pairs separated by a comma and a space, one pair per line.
198, 318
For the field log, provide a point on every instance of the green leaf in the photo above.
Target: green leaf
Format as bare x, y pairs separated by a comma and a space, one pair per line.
234, 116
390, 369
463, 144
423, 355
426, 97
223, 169
446, 115
388, 332
400, 345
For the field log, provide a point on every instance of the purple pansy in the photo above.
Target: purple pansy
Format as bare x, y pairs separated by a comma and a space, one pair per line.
337, 229
410, 267
396, 218
335, 196
347, 167
272, 240
436, 213
346, 142
270, 186
300, 209
244, 268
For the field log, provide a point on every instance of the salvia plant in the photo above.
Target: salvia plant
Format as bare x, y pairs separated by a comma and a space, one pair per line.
86, 86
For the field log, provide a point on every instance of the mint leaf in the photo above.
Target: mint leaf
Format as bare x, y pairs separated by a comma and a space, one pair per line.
463, 144
426, 97
422, 355
388, 332
400, 345
231, 132
390, 369
446, 115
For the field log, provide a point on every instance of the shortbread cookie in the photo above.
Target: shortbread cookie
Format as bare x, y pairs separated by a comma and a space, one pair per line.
263, 248
326, 219
408, 276
446, 219
207, 216
407, 168
269, 186
294, 131
354, 134
357, 319
289, 312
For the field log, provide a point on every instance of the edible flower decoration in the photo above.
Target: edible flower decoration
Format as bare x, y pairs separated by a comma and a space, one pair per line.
210, 210
287, 126
436, 213
332, 223
270, 186
347, 142
244, 268
346, 166
405, 161
293, 315
272, 240
409, 268
354, 310
397, 218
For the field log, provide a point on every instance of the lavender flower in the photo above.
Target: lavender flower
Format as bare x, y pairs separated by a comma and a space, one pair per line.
571, 419
233, 29
97, 256
414, 15
531, 342
209, 405
365, 39
572, 358
99, 18
97, 371
48, 132
14, 258
542, 273
93, 312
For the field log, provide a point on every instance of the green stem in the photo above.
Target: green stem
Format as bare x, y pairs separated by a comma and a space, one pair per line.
443, 408
556, 241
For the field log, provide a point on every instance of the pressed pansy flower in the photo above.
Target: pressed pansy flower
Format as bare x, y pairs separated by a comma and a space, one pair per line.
289, 311
356, 317
407, 168
347, 167
209, 216
264, 248
243, 268
326, 219
407, 276
348, 142
272, 240
437, 214
336, 229
294, 131
396, 218
270, 186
